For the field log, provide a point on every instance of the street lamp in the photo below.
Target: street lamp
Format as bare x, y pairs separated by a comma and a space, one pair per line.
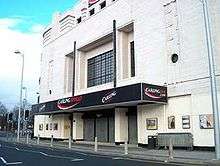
24, 107
214, 94
21, 86
25, 98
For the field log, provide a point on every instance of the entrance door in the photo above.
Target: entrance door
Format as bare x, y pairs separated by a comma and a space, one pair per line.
132, 126
102, 129
89, 125
111, 127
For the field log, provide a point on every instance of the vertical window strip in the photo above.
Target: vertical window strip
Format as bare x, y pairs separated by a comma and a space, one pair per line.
132, 59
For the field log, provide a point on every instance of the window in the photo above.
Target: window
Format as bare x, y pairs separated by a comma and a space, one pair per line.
132, 59
79, 20
68, 73
91, 12
41, 127
55, 126
50, 126
47, 126
100, 69
174, 58
50, 76
103, 4
38, 99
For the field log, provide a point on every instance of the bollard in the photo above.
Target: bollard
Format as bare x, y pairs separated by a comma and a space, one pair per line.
96, 144
70, 139
170, 150
27, 139
7, 135
51, 141
126, 147
38, 139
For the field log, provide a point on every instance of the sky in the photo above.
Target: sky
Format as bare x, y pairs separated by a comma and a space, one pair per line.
21, 25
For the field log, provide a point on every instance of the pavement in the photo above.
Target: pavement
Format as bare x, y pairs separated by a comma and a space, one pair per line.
181, 157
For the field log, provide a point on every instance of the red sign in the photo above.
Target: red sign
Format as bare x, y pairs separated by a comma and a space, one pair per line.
91, 2
155, 93
69, 102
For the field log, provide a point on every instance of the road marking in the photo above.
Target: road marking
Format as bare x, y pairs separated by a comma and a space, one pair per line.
11, 147
43, 153
117, 158
77, 160
3, 160
13, 163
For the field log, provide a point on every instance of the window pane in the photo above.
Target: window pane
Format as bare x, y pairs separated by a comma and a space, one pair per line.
100, 69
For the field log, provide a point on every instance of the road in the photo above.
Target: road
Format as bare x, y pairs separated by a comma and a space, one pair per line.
23, 155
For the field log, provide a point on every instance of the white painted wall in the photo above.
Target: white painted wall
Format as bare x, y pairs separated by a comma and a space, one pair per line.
201, 104
62, 120
83, 66
193, 105
121, 125
77, 126
152, 48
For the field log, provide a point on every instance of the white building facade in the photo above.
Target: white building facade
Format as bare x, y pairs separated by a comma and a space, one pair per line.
147, 76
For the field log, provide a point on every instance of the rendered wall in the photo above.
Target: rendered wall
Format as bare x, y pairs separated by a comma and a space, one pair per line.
193, 105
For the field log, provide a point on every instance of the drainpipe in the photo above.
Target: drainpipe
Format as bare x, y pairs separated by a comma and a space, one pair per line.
114, 52
211, 60
74, 62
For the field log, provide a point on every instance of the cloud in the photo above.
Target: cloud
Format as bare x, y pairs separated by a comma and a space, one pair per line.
9, 22
37, 28
10, 64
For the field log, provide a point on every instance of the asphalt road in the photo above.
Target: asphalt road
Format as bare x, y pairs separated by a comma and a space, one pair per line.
23, 155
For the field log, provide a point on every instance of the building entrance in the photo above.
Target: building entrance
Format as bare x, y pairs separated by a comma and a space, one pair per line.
99, 124
132, 125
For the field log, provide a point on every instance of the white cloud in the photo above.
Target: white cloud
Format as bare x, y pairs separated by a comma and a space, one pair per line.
9, 22
37, 28
10, 64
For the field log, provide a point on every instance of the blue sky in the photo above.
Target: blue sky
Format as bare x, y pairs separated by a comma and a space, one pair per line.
21, 26
32, 12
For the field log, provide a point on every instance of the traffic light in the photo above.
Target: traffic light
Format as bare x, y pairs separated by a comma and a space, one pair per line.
10, 116
26, 115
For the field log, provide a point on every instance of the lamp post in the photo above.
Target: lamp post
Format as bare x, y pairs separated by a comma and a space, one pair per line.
214, 95
24, 108
21, 86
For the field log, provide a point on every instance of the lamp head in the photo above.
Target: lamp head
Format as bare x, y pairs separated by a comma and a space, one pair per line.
17, 52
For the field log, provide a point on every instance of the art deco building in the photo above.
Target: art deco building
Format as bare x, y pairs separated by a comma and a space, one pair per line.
124, 70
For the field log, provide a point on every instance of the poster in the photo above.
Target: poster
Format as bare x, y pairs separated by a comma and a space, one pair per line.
152, 124
186, 122
171, 122
206, 121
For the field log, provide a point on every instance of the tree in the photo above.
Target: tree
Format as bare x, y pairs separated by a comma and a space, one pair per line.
3, 116
3, 109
